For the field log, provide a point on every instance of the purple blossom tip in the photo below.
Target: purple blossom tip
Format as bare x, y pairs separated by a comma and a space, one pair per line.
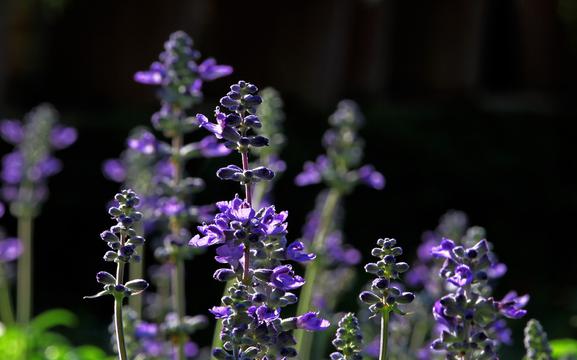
284, 278
10, 249
311, 322
209, 70
220, 312
295, 251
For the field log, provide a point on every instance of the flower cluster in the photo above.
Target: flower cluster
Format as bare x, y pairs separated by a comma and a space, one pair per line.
349, 339
180, 78
123, 240
344, 151
470, 321
383, 296
536, 342
253, 245
26, 169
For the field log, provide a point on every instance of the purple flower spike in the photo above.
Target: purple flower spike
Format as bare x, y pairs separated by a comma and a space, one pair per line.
265, 314
369, 176
11, 131
62, 137
284, 278
144, 143
311, 322
209, 70
295, 251
220, 312
462, 277
10, 249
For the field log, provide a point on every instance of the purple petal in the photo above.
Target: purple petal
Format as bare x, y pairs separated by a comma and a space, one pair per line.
209, 70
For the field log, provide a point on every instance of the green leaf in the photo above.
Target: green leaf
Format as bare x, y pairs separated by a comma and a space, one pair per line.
53, 318
563, 347
89, 352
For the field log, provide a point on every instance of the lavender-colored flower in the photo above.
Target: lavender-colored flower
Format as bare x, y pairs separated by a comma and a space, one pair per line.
471, 322
311, 322
11, 131
296, 252
221, 312
284, 278
10, 249
114, 170
145, 143
62, 137
229, 254
31, 162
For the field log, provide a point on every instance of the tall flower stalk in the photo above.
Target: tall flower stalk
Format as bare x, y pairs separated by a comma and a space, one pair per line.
339, 170
252, 243
25, 171
123, 240
384, 297
466, 316
180, 78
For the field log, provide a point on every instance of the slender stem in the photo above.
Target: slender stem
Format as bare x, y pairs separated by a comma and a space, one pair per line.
247, 186
177, 276
248, 195
262, 188
384, 335
304, 339
118, 321
6, 311
136, 271
24, 276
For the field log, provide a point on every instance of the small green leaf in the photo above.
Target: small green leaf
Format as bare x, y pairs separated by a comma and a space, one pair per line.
563, 347
52, 318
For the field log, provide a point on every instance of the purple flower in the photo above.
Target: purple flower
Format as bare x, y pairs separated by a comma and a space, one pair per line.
146, 330
229, 254
12, 167
220, 312
284, 278
511, 305
209, 70
144, 143
444, 250
212, 234
312, 171
265, 314
311, 322
154, 76
295, 251
210, 147
462, 276
10, 249
172, 206
11, 131
369, 176
62, 137
114, 170
217, 128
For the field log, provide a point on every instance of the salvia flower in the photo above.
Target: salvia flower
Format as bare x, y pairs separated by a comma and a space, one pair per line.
384, 297
471, 323
26, 169
340, 166
348, 340
536, 342
122, 239
253, 245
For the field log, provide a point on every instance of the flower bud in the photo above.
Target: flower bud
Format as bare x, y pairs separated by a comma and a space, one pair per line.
137, 286
369, 297
224, 275
105, 278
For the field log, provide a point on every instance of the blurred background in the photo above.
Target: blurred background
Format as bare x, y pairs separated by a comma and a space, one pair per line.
469, 105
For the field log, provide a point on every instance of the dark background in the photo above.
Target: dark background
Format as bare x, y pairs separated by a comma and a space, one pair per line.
469, 105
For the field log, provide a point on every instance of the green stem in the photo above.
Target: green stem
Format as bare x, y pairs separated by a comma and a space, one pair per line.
6, 311
304, 339
177, 276
384, 334
24, 276
118, 321
136, 271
